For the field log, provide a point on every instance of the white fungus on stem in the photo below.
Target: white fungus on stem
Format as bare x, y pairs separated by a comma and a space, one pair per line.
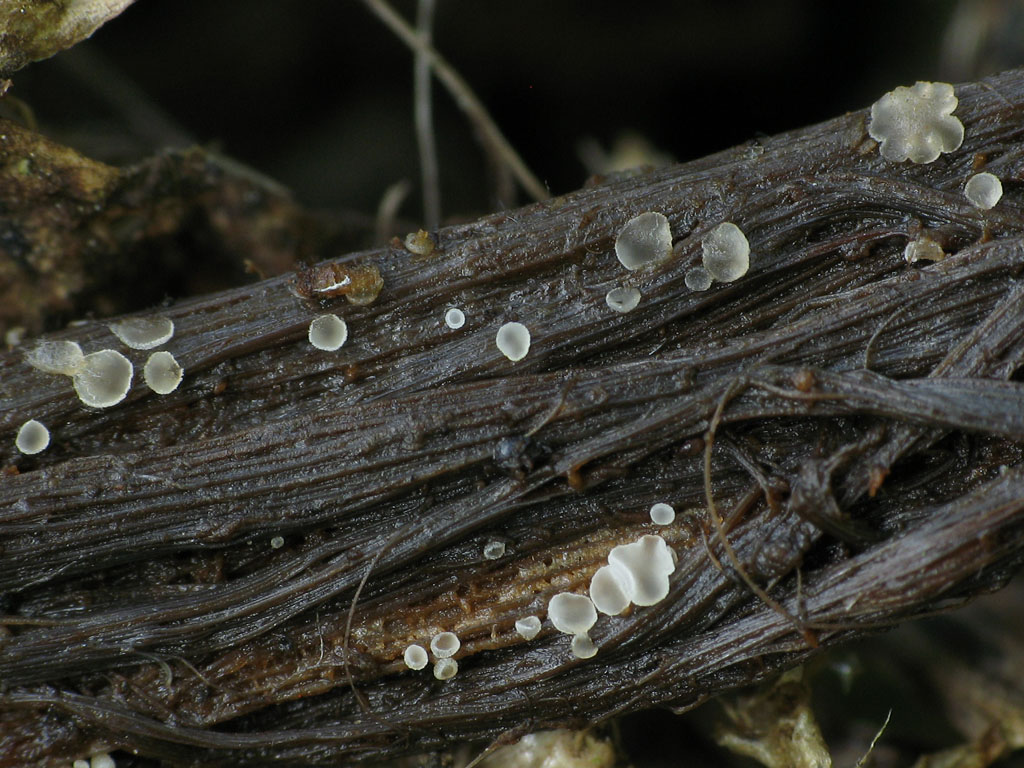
644, 241
103, 378
33, 437
328, 332
494, 550
513, 341
572, 613
162, 373
143, 332
923, 249
528, 627
648, 564
726, 253
446, 669
583, 647
622, 299
455, 318
698, 279
445, 644
916, 123
611, 589
415, 656
983, 190
62, 357
662, 514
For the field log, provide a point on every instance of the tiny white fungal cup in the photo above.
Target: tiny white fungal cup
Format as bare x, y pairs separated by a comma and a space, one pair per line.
415, 657
162, 373
143, 332
277, 542
983, 190
328, 332
916, 123
698, 279
493, 550
455, 318
583, 647
513, 341
923, 249
446, 669
64, 357
571, 613
622, 299
103, 379
662, 514
528, 627
611, 589
644, 241
445, 644
726, 252
33, 437
648, 563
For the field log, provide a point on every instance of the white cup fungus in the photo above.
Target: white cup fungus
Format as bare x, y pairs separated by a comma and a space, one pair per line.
611, 589
698, 279
494, 550
102, 760
162, 373
644, 241
662, 514
622, 299
277, 542
33, 437
415, 656
923, 249
648, 563
445, 644
143, 332
528, 627
916, 123
583, 647
455, 318
62, 357
80, 764
328, 332
103, 378
446, 669
726, 252
513, 341
572, 613
983, 190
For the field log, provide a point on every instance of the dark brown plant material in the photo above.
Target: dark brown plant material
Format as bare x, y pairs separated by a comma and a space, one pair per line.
866, 466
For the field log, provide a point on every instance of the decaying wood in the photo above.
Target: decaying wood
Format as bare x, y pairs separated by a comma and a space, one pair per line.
868, 466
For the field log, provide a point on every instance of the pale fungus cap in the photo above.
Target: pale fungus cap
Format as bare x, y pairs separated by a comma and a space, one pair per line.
33, 437
103, 378
610, 589
415, 657
648, 563
277, 542
513, 341
583, 647
445, 644
102, 760
572, 613
494, 550
143, 332
62, 357
622, 299
726, 253
662, 514
983, 190
698, 279
455, 318
924, 248
80, 764
916, 123
528, 627
446, 669
162, 373
644, 241
328, 332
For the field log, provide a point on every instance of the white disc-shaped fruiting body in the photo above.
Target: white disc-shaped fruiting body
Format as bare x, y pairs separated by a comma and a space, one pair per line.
62, 357
328, 332
698, 279
622, 299
662, 514
983, 190
611, 589
33, 437
916, 123
572, 613
143, 332
162, 373
528, 627
102, 760
80, 764
415, 657
103, 378
513, 341
726, 253
446, 669
648, 563
583, 647
494, 550
923, 249
644, 241
445, 644
455, 318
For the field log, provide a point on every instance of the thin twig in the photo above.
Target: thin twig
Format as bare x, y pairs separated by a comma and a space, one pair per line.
424, 119
491, 136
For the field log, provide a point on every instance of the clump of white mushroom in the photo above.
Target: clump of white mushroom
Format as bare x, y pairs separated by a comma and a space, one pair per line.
33, 437
983, 190
636, 573
575, 615
726, 253
103, 378
622, 299
513, 341
143, 332
644, 241
916, 123
328, 332
162, 373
